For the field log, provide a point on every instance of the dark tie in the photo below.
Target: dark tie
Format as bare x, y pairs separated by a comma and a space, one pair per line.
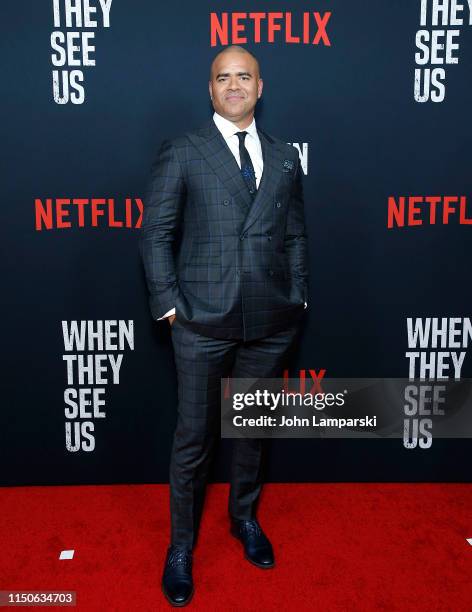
247, 169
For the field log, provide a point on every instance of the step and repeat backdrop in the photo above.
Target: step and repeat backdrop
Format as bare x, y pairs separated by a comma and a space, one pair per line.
375, 96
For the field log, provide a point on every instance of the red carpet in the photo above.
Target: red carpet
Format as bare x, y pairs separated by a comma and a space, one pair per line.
338, 547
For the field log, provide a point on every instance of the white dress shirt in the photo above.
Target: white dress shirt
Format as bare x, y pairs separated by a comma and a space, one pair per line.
251, 142
253, 145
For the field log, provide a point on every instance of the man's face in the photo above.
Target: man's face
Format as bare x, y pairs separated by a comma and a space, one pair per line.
235, 86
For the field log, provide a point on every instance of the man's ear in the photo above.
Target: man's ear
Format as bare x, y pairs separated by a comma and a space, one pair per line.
210, 90
260, 85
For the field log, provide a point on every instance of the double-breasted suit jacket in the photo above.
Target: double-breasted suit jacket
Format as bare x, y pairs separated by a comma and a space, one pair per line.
234, 267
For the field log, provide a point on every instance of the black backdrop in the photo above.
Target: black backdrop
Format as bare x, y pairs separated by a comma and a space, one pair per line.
368, 139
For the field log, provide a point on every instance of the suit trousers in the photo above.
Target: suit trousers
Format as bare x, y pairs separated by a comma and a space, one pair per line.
201, 363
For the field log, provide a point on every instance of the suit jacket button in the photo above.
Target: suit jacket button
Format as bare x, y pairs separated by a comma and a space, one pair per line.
242, 237
278, 204
226, 202
271, 273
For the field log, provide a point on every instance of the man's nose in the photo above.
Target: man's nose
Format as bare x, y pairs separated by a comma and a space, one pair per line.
233, 83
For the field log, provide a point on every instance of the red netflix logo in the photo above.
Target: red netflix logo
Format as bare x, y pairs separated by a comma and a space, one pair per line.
313, 380
65, 213
427, 210
309, 28
308, 381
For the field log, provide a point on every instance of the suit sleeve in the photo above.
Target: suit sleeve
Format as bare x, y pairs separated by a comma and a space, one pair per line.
163, 204
295, 235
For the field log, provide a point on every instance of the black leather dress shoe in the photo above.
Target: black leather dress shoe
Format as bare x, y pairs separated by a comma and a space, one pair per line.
257, 548
177, 582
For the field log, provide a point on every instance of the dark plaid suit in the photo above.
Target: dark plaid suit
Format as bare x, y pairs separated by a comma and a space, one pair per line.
235, 270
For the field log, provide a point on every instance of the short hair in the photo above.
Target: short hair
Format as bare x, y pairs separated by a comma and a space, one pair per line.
238, 49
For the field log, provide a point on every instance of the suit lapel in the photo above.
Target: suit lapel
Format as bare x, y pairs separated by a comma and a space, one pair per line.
273, 159
217, 154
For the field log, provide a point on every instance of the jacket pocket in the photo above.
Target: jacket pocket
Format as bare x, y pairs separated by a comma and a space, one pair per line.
204, 253
200, 273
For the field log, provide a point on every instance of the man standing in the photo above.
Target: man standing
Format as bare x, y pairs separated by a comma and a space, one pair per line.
224, 251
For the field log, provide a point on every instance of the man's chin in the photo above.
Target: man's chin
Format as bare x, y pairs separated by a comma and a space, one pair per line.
234, 112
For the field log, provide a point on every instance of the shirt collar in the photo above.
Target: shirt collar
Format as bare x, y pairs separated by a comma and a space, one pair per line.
228, 129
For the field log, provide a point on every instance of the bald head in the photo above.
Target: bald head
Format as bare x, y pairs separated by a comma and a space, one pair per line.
234, 49
235, 85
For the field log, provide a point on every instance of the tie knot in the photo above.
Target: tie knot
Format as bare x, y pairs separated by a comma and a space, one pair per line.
241, 136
